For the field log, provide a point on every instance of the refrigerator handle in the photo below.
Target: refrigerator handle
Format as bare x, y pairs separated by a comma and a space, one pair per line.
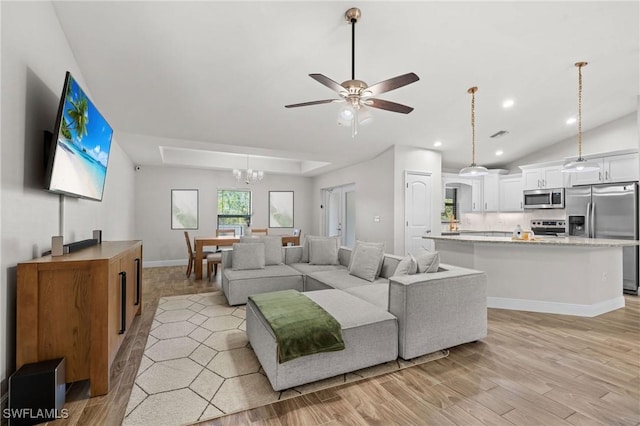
593, 220
587, 222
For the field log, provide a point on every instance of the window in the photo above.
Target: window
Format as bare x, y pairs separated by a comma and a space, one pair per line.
450, 204
234, 209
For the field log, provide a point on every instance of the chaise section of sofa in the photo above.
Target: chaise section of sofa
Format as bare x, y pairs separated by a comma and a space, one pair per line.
438, 310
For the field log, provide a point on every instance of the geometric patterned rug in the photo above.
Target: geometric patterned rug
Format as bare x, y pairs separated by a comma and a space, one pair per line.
198, 365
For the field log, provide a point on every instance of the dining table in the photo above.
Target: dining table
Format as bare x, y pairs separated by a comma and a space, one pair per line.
227, 240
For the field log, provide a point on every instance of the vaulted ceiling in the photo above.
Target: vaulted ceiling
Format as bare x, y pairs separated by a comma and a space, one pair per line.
196, 83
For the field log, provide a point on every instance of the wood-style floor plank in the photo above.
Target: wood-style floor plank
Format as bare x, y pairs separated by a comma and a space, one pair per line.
531, 369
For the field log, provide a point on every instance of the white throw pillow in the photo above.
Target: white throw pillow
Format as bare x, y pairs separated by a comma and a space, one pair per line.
323, 251
407, 266
428, 261
272, 247
307, 240
379, 245
366, 260
247, 256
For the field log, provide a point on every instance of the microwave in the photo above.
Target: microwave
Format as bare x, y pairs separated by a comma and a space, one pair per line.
544, 198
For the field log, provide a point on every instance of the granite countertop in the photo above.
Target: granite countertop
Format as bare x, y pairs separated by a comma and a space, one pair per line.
556, 241
473, 231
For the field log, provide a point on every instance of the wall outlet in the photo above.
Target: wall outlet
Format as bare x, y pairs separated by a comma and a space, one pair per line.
376, 219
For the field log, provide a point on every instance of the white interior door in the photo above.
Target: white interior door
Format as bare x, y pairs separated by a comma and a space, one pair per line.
334, 212
417, 211
349, 228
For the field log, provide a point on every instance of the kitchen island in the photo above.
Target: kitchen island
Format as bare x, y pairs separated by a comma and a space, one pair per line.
562, 275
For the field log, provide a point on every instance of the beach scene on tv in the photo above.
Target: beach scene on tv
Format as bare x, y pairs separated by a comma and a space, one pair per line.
82, 148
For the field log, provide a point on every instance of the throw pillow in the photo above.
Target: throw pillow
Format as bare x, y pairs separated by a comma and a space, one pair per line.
305, 246
366, 260
272, 247
323, 251
380, 245
428, 261
407, 266
247, 256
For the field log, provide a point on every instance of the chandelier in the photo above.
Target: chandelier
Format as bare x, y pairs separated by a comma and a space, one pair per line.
473, 169
580, 165
248, 175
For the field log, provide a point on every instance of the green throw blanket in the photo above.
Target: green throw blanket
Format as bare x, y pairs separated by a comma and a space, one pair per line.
300, 325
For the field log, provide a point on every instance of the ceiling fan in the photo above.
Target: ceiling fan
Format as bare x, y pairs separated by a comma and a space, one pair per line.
356, 93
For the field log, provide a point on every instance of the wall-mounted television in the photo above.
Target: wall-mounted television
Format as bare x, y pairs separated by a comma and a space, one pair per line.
81, 142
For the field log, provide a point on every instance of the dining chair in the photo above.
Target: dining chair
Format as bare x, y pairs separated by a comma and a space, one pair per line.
213, 260
192, 254
224, 231
262, 231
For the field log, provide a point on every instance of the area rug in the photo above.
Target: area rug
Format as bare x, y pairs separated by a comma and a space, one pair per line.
198, 365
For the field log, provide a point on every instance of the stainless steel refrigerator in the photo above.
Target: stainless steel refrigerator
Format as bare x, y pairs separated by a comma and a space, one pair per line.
607, 211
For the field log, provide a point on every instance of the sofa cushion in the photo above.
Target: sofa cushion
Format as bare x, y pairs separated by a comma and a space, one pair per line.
341, 279
307, 269
407, 266
428, 261
323, 251
376, 294
366, 261
307, 240
272, 247
272, 271
366, 243
247, 256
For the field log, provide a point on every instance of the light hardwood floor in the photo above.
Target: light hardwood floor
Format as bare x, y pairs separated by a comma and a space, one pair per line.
532, 369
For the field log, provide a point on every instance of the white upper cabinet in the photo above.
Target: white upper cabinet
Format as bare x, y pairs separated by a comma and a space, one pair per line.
510, 193
476, 195
614, 168
490, 192
542, 177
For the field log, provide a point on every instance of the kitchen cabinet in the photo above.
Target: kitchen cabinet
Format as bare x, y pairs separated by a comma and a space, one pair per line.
614, 168
476, 195
510, 193
542, 177
490, 192
79, 306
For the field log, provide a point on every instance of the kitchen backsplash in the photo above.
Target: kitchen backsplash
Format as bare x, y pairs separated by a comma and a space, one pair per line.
504, 221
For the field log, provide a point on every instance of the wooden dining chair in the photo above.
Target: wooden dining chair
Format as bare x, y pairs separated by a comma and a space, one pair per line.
260, 231
192, 254
213, 260
224, 231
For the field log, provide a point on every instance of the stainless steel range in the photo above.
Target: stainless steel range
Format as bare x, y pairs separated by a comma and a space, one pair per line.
549, 227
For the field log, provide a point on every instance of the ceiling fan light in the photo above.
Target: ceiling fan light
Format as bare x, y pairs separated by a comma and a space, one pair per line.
580, 166
347, 112
364, 116
473, 170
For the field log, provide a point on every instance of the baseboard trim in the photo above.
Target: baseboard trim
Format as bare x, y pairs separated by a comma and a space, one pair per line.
556, 307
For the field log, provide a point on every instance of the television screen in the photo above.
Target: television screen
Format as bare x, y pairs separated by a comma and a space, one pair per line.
81, 142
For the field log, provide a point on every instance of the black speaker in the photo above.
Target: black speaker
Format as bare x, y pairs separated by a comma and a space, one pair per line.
37, 393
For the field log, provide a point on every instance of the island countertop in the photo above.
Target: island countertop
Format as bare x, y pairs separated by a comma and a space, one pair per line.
555, 241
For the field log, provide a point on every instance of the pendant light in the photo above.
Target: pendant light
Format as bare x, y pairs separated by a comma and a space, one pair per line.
248, 176
473, 170
580, 165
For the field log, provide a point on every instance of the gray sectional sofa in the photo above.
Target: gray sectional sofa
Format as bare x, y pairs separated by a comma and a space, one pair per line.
390, 316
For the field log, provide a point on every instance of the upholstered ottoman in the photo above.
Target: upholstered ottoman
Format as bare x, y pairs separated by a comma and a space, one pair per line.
370, 336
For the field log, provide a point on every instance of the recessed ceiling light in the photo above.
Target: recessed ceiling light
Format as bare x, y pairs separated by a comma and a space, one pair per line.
508, 103
499, 152
437, 143
571, 120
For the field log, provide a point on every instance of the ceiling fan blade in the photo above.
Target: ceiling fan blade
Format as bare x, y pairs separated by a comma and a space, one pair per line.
391, 84
324, 101
333, 85
388, 105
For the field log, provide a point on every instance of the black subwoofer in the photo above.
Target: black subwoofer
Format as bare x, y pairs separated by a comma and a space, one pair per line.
37, 393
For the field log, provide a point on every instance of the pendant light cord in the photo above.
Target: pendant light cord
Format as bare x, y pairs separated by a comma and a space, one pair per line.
580, 65
473, 91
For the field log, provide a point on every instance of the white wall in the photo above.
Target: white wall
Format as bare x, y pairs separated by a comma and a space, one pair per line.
374, 185
35, 56
612, 136
417, 160
166, 246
